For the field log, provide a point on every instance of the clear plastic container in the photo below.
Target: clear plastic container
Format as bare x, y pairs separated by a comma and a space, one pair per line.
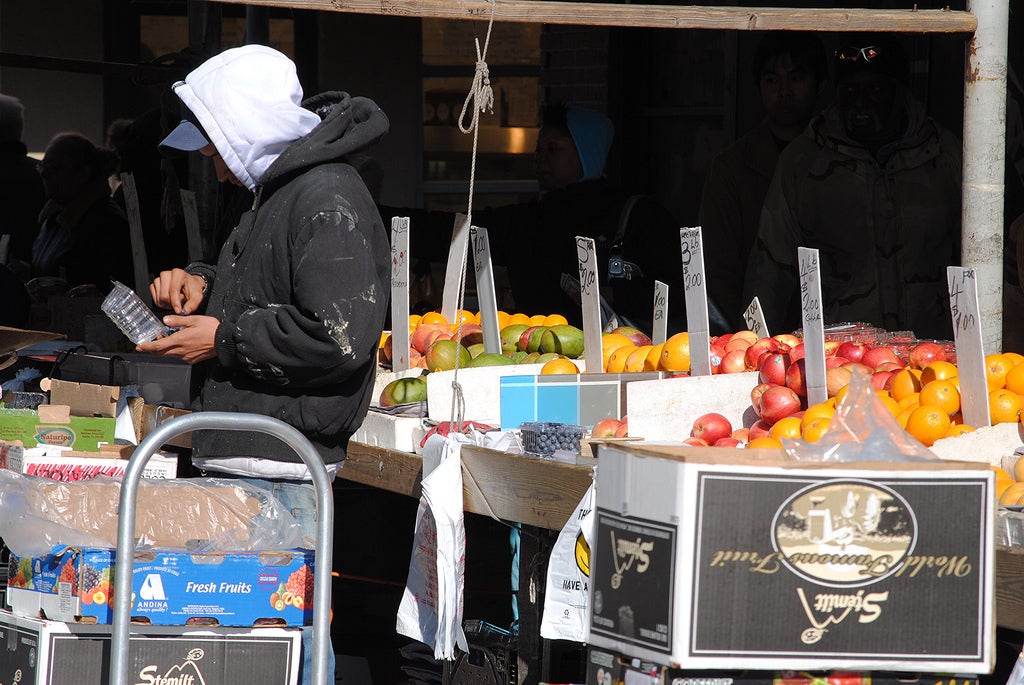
545, 438
131, 315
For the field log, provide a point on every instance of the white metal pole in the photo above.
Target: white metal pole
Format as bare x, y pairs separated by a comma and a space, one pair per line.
984, 160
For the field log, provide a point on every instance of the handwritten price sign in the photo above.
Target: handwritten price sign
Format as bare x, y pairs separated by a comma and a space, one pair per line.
485, 288
695, 289
814, 329
400, 293
970, 350
590, 298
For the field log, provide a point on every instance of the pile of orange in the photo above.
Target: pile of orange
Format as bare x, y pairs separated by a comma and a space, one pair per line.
621, 355
1010, 484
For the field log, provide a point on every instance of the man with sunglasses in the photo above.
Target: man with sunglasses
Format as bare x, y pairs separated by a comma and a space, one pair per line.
874, 184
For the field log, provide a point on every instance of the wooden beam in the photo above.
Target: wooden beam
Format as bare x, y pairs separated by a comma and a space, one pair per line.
1010, 587
654, 16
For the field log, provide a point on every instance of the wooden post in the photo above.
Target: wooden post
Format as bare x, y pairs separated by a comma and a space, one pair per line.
139, 261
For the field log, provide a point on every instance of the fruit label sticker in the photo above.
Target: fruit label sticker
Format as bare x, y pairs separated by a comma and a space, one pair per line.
400, 293
970, 351
590, 300
485, 288
754, 318
695, 289
814, 327
659, 332
453, 274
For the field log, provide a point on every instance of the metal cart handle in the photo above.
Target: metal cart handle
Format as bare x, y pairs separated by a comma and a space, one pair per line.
126, 527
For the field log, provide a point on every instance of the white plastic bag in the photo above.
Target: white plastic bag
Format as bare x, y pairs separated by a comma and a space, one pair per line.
567, 593
432, 604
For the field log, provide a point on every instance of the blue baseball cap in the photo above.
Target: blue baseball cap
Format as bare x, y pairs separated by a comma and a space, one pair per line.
187, 136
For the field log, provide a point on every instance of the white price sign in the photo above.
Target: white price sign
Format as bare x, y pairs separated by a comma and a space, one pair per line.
400, 293
970, 350
590, 298
754, 318
814, 327
453, 273
485, 289
659, 332
695, 289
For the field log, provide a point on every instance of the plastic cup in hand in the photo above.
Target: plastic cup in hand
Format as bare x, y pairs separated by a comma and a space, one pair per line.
131, 315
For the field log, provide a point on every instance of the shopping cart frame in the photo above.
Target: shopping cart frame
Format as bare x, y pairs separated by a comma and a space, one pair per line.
126, 527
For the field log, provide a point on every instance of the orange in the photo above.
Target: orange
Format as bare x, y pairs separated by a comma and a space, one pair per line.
905, 382
617, 359
414, 320
675, 353
942, 394
653, 357
559, 366
928, 424
938, 371
1015, 379
904, 415
1014, 357
611, 342
996, 369
1014, 494
788, 427
635, 361
433, 317
1001, 486
555, 320
840, 394
890, 404
1001, 473
519, 317
1004, 406
958, 429
503, 318
537, 320
465, 316
768, 443
1018, 469
813, 431
910, 400
816, 411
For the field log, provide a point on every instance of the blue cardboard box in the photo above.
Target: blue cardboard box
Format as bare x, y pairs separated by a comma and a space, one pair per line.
169, 587
580, 399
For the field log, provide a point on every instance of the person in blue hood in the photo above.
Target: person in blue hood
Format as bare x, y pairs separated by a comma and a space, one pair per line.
288, 321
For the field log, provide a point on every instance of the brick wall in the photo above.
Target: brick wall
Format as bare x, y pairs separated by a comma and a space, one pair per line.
575, 66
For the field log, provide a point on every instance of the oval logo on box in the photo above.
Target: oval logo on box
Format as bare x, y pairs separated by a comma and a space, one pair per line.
55, 435
268, 578
844, 533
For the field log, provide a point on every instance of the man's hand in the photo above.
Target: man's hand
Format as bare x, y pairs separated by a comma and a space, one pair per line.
178, 290
194, 342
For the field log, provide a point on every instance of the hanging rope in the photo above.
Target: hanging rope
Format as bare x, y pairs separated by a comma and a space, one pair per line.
479, 99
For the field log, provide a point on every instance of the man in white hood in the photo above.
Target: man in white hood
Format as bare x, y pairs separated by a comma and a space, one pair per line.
288, 322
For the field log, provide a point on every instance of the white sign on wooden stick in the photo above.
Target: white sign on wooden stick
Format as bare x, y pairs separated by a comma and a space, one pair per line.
695, 289
754, 318
814, 325
454, 272
659, 332
485, 289
400, 293
970, 350
590, 300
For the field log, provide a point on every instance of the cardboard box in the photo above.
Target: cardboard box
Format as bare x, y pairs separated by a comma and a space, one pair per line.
666, 409
54, 426
481, 391
37, 652
391, 432
169, 587
582, 399
715, 558
47, 461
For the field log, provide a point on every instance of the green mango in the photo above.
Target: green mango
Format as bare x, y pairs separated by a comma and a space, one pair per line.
563, 339
404, 391
510, 336
490, 359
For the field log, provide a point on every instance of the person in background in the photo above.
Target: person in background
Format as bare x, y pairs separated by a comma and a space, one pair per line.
287, 323
21, 188
790, 72
874, 185
83, 236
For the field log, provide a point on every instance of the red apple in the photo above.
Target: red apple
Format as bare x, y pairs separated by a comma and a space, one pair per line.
875, 356
723, 338
759, 429
756, 349
796, 352
746, 334
838, 377
711, 427
755, 396
623, 430
796, 377
925, 353
890, 366
734, 361
851, 350
737, 344
833, 362
472, 333
830, 348
881, 380
773, 369
696, 442
787, 339
727, 442
638, 337
777, 403
605, 428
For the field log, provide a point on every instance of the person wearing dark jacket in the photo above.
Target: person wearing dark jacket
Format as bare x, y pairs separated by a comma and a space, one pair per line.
21, 188
288, 321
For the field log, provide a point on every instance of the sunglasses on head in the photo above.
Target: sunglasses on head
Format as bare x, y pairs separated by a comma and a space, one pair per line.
853, 54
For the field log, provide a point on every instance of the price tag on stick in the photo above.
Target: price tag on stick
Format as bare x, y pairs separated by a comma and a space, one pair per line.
754, 318
695, 289
659, 332
400, 293
485, 288
590, 301
814, 326
970, 351
453, 273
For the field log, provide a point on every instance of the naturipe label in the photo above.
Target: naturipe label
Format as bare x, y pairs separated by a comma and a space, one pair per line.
695, 288
814, 328
485, 288
970, 350
400, 293
590, 298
